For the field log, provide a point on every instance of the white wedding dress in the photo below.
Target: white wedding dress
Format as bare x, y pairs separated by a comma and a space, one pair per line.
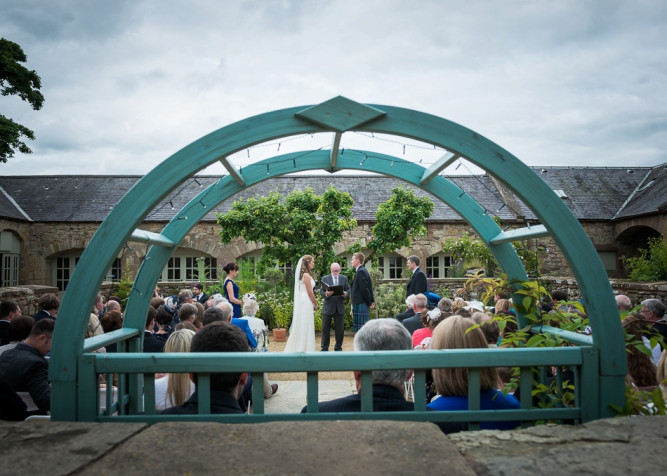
302, 331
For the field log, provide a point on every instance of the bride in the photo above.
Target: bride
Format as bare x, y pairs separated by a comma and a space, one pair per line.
302, 331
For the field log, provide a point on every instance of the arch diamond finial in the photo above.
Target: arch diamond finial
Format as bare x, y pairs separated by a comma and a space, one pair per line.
340, 114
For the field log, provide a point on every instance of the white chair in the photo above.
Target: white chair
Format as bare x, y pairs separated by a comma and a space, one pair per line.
409, 388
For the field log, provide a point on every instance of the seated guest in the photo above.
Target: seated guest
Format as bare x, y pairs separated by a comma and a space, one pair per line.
452, 383
430, 319
199, 294
151, 343
490, 328
111, 321
187, 313
157, 302
12, 407
409, 302
164, 321
185, 325
226, 387
415, 322
19, 329
259, 330
227, 311
24, 367
8, 311
174, 389
48, 306
388, 385
640, 366
445, 305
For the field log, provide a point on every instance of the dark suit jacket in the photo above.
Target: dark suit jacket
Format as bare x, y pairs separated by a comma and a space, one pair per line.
26, 370
413, 323
4, 332
152, 343
12, 406
245, 327
385, 399
202, 298
362, 289
334, 305
221, 402
41, 315
417, 283
404, 315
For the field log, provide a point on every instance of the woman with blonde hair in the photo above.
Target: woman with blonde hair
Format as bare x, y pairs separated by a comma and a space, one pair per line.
175, 388
457, 332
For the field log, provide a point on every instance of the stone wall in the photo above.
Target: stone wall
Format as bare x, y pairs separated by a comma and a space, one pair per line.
27, 297
42, 242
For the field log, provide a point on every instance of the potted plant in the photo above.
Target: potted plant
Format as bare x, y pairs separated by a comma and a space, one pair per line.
282, 320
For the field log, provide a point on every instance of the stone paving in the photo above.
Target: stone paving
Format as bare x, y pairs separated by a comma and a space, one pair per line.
614, 446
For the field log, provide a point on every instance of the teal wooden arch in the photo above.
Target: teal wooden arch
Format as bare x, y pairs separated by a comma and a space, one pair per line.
336, 116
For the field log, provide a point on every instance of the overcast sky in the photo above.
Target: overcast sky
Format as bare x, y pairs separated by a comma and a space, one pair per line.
128, 83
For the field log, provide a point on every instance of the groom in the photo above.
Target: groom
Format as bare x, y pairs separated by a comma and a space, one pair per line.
334, 307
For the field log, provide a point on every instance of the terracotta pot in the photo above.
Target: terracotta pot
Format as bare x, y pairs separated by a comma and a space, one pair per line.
279, 334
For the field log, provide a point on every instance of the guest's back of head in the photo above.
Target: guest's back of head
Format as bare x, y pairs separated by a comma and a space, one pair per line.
623, 302
19, 328
111, 321
456, 333
384, 334
221, 337
212, 314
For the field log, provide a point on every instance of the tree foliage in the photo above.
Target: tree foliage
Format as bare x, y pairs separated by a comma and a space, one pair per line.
399, 220
651, 264
15, 79
300, 223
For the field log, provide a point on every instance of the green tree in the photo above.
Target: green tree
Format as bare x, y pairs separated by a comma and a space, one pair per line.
15, 79
651, 264
399, 220
300, 223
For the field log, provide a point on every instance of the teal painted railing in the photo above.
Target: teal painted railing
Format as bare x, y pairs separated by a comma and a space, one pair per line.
583, 361
72, 372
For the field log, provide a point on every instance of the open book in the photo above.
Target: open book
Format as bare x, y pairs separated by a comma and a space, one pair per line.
337, 290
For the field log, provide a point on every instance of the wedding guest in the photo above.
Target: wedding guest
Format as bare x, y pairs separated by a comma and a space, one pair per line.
457, 332
24, 367
388, 390
231, 289
259, 330
8, 311
19, 329
225, 387
199, 294
112, 321
409, 312
174, 389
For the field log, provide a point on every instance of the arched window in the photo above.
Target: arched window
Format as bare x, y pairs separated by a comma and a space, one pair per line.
10, 253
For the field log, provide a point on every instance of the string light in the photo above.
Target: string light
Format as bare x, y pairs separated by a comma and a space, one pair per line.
267, 170
172, 205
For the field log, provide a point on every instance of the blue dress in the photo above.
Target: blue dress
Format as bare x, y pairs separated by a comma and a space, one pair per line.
237, 307
490, 399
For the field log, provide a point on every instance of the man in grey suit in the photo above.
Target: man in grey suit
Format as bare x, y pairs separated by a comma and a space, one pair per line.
334, 307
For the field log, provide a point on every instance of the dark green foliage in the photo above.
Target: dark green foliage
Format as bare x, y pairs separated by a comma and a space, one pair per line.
651, 264
290, 227
15, 79
399, 219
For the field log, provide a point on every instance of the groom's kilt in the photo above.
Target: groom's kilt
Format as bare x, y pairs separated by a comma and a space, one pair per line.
360, 315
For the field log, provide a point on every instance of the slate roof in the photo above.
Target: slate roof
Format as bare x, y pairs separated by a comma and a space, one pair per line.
592, 194
649, 197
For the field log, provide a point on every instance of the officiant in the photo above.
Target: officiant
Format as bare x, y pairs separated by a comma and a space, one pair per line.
335, 290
